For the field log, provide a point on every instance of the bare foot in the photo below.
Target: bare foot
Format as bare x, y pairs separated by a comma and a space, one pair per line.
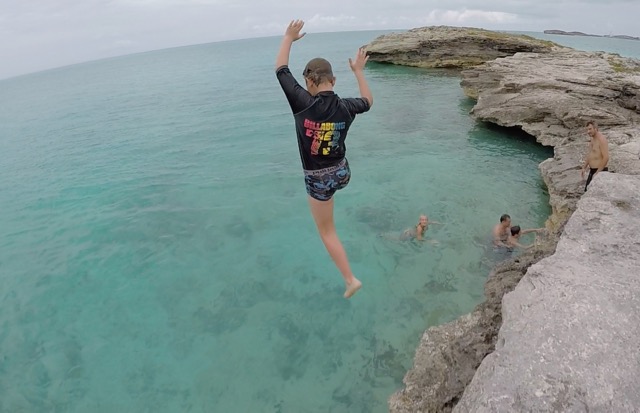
352, 288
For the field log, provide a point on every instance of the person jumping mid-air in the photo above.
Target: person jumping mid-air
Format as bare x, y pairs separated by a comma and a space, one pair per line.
322, 120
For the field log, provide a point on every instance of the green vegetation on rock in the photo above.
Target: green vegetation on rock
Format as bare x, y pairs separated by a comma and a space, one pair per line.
619, 66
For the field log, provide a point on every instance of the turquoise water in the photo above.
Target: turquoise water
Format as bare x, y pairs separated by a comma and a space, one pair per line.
157, 252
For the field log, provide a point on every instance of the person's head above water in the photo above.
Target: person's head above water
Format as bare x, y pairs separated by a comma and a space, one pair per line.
318, 75
423, 220
505, 220
515, 231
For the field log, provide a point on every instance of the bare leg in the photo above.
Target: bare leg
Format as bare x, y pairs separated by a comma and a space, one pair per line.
322, 212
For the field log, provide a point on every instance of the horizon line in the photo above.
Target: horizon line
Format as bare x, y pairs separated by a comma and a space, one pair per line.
12, 77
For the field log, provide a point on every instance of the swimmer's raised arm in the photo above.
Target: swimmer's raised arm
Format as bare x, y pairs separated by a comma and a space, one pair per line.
526, 231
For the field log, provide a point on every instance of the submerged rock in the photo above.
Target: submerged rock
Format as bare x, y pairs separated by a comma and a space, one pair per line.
451, 47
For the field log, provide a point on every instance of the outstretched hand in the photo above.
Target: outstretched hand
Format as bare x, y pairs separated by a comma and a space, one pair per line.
293, 30
360, 60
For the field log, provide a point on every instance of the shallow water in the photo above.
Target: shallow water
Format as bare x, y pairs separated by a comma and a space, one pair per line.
158, 253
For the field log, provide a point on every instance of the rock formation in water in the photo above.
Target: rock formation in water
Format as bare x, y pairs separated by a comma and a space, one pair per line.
450, 47
549, 94
615, 36
562, 32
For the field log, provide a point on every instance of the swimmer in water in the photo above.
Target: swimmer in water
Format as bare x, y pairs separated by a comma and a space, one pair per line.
419, 230
516, 233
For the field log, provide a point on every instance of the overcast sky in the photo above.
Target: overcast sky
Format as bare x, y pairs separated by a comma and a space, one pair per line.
42, 34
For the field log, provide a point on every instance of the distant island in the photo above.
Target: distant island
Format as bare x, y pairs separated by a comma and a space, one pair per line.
562, 32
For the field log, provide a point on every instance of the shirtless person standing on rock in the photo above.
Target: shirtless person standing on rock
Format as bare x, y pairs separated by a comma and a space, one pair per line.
598, 155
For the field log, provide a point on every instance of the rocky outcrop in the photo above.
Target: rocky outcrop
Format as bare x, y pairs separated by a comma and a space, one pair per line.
448, 355
569, 335
550, 95
554, 31
617, 36
451, 47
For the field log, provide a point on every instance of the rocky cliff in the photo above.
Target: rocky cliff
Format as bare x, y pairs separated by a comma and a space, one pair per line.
450, 47
569, 335
448, 356
550, 94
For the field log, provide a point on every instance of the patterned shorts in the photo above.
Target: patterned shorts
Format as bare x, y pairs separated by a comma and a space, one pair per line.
323, 183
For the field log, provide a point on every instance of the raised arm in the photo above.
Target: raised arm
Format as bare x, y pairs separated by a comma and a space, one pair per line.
291, 35
526, 231
357, 67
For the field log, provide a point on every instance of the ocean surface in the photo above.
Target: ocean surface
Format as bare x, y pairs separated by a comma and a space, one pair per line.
157, 253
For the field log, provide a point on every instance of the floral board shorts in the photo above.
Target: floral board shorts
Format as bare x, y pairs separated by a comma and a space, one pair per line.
323, 183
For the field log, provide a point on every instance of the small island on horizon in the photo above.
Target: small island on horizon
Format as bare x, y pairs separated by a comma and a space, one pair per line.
562, 32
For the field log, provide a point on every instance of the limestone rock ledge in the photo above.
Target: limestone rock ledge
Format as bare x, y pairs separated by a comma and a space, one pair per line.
569, 335
451, 47
448, 355
551, 96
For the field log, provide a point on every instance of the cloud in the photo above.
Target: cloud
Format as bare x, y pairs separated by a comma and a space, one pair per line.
319, 20
171, 3
267, 28
466, 16
50, 33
